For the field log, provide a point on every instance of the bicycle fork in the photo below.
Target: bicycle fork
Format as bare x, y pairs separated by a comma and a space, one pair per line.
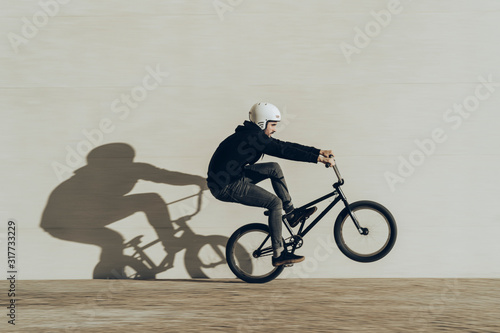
361, 230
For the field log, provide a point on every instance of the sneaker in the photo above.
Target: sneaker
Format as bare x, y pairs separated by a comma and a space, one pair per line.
287, 258
295, 216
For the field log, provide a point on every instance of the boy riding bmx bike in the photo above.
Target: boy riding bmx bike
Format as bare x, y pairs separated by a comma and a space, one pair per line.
233, 173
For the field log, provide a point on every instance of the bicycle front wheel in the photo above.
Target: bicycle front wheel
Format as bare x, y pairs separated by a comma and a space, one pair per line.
378, 234
249, 253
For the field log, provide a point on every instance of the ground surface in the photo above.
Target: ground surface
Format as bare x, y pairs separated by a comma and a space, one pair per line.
291, 305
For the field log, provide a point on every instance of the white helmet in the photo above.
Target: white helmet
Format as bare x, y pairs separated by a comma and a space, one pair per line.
262, 112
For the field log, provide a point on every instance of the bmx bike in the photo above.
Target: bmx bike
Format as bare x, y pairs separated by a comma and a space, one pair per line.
365, 231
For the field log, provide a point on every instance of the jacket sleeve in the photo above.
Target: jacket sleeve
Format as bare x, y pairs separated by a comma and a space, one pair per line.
291, 151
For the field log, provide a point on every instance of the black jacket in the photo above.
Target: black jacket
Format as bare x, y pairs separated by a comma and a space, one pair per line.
246, 146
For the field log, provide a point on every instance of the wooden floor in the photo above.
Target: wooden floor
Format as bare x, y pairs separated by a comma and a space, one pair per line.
293, 305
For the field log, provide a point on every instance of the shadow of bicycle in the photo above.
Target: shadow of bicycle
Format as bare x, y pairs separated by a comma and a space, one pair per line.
204, 257
80, 209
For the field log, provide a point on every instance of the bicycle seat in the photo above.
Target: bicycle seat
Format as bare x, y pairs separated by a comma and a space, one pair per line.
134, 242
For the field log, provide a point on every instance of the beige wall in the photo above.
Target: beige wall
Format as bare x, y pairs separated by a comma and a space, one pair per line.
368, 100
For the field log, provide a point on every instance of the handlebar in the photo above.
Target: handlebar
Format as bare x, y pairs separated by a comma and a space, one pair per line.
337, 172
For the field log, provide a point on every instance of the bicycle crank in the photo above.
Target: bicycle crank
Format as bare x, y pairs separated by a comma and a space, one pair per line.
293, 243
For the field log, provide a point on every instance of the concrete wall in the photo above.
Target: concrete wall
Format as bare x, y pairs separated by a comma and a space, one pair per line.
405, 92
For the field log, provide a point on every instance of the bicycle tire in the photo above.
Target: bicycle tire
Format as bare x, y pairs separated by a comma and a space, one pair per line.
131, 268
370, 215
257, 269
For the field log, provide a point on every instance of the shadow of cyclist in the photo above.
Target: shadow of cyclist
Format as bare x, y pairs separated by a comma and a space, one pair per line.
80, 208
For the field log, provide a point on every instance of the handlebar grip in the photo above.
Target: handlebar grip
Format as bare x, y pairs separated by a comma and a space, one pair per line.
327, 165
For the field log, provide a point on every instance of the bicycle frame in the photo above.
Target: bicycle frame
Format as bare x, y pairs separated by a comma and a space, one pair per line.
302, 232
341, 197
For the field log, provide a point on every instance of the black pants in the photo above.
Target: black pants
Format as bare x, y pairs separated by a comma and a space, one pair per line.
246, 192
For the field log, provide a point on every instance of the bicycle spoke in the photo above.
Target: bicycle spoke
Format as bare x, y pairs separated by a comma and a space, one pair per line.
376, 238
263, 243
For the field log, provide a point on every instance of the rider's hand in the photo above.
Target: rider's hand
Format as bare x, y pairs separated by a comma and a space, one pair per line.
326, 153
326, 160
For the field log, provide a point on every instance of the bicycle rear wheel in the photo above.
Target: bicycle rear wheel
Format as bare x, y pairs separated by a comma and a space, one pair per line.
249, 253
379, 234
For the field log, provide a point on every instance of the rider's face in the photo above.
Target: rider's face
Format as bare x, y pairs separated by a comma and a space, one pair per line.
271, 128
